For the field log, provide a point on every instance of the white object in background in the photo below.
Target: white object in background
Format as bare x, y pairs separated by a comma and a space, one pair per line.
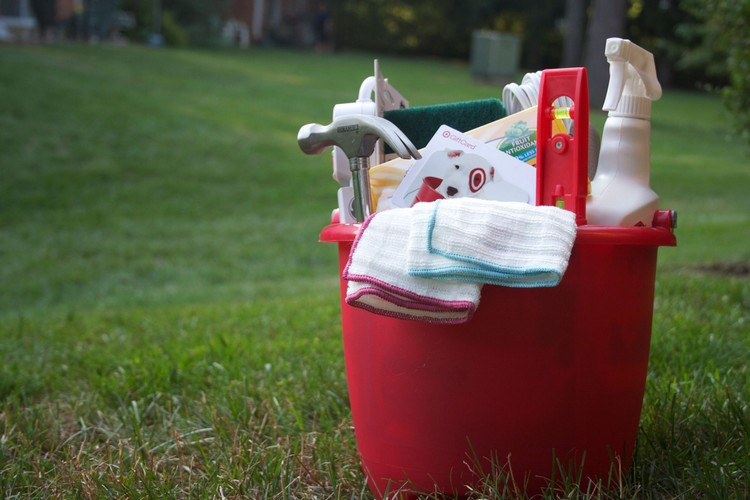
517, 97
620, 191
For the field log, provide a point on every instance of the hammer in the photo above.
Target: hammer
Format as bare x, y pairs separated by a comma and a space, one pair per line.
356, 135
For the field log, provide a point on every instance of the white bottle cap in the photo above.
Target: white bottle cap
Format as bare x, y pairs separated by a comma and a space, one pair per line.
633, 106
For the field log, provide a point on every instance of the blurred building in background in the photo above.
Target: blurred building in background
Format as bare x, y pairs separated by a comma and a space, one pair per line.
298, 23
689, 39
303, 23
52, 20
17, 20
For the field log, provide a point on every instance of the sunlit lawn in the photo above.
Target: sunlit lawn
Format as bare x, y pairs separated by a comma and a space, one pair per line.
169, 325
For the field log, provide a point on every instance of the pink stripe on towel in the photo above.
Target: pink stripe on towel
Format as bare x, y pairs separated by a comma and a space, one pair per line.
379, 282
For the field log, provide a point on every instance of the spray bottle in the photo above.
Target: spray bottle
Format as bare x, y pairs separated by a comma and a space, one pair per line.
620, 192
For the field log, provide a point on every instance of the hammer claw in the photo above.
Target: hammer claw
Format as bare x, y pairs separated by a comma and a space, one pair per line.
356, 135
398, 141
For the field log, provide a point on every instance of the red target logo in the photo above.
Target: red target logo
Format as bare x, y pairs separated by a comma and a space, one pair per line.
477, 179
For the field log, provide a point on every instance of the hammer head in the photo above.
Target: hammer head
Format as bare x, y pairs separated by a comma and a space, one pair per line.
356, 135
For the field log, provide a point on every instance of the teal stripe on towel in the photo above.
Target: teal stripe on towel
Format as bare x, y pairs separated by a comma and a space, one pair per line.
481, 271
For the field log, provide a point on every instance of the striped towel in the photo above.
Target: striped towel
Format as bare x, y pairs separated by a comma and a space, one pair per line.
429, 262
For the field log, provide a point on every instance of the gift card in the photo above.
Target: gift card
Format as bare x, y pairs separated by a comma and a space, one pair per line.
454, 165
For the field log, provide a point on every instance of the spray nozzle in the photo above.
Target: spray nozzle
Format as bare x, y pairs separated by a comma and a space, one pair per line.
632, 72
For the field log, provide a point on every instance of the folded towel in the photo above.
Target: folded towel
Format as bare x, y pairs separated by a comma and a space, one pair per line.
500, 243
379, 282
429, 262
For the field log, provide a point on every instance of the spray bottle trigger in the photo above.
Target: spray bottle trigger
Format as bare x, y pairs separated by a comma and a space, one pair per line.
617, 77
629, 62
645, 66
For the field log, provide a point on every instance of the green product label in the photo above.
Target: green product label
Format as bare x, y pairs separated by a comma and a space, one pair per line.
520, 142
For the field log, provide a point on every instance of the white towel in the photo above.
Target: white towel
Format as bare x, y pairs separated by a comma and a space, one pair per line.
429, 262
379, 282
501, 243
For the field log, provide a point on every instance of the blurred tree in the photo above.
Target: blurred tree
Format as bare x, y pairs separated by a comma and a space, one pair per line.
438, 27
200, 19
607, 20
684, 46
45, 13
195, 22
443, 28
573, 30
728, 25
542, 36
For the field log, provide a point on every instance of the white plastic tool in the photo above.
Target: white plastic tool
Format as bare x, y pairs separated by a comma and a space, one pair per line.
387, 98
620, 192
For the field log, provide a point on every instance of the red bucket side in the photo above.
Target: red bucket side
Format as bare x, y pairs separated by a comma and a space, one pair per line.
537, 373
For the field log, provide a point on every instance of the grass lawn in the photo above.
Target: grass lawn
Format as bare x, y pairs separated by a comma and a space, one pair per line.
169, 325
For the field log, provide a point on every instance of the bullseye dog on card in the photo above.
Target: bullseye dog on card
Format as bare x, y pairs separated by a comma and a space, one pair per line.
471, 175
455, 166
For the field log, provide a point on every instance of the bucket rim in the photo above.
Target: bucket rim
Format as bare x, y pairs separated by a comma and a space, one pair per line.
660, 234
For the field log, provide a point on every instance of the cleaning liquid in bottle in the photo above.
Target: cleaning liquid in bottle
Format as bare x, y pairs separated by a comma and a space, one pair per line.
620, 191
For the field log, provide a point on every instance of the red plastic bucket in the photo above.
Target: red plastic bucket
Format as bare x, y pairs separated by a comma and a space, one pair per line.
538, 375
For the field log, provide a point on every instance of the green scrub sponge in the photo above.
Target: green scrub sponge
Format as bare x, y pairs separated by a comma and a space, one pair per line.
420, 123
